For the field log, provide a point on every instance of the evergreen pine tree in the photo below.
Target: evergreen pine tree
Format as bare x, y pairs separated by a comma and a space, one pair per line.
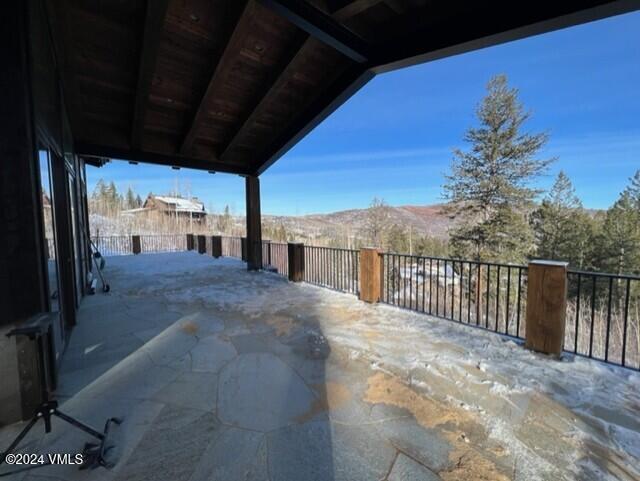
562, 228
488, 187
619, 244
130, 199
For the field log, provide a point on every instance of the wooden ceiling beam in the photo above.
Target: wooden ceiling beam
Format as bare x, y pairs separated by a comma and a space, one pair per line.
101, 151
353, 8
221, 72
347, 84
323, 27
153, 25
420, 36
279, 81
272, 87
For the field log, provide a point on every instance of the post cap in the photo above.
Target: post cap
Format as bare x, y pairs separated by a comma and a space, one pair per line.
542, 262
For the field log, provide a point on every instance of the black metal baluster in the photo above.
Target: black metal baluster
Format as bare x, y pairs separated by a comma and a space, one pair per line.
424, 282
497, 299
469, 295
460, 278
444, 296
577, 325
506, 329
593, 317
610, 298
486, 317
626, 318
437, 287
430, 284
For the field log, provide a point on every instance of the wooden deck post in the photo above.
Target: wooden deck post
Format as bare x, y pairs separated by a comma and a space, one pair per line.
295, 251
202, 244
371, 267
243, 249
136, 246
189, 242
216, 246
254, 224
546, 306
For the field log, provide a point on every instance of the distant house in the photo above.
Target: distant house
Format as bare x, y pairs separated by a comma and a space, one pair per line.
178, 207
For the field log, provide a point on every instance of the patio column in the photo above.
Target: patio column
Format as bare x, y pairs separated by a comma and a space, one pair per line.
546, 306
254, 227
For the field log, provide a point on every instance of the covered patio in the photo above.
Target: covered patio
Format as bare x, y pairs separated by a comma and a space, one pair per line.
220, 373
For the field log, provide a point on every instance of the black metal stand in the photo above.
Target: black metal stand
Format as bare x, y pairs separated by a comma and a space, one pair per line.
92, 454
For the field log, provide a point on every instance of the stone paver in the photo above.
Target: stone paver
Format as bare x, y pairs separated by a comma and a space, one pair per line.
258, 391
406, 469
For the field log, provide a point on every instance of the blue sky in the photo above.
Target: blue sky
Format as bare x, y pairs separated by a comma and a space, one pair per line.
394, 138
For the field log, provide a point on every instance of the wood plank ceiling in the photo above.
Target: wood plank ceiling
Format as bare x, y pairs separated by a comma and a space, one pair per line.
230, 85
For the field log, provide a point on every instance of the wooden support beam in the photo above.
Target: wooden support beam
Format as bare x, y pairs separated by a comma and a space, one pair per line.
546, 306
280, 80
352, 80
254, 224
91, 150
423, 37
272, 88
323, 27
153, 25
353, 8
241, 31
295, 251
371, 266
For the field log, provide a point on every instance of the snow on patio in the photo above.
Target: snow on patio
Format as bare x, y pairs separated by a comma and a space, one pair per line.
222, 374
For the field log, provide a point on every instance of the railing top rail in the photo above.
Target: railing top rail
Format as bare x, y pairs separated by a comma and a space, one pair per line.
341, 249
607, 275
453, 259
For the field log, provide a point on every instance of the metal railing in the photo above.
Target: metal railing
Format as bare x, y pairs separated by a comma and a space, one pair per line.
603, 317
232, 247
163, 243
482, 294
275, 255
334, 268
114, 245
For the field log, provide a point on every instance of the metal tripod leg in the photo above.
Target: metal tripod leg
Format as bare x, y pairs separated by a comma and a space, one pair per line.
20, 437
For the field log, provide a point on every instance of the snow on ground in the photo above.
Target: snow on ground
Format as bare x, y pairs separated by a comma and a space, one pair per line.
569, 419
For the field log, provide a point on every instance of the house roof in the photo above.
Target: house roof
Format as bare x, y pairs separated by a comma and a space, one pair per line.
182, 205
230, 85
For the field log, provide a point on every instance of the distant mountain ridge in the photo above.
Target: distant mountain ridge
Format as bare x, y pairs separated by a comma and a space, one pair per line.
421, 219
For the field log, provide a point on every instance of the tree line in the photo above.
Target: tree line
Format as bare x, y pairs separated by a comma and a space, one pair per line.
491, 193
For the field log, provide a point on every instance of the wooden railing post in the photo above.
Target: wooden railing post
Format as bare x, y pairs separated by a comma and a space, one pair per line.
216, 246
243, 249
189, 242
202, 244
295, 250
268, 259
371, 279
546, 306
136, 246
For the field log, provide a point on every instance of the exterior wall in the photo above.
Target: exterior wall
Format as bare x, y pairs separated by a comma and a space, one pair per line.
10, 399
22, 284
33, 123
